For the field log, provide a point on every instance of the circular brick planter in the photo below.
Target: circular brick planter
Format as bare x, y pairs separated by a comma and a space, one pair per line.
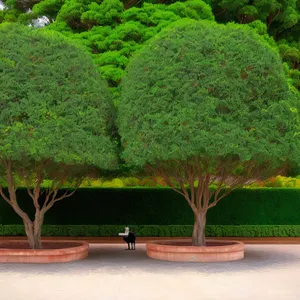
215, 251
14, 251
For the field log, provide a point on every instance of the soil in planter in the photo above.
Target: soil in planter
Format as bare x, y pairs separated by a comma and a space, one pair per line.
25, 245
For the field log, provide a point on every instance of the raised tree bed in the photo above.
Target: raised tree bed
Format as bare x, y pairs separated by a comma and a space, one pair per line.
182, 250
14, 251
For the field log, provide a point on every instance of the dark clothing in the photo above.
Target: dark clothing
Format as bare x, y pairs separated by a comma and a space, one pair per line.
130, 240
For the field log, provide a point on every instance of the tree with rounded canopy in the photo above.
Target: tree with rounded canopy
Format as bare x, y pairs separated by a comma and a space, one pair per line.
204, 104
55, 120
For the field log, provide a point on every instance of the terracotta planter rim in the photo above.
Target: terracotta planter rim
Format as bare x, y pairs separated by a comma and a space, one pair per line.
183, 251
180, 246
71, 251
80, 245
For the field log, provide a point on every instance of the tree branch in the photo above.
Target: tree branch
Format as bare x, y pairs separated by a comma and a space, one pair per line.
4, 196
12, 199
48, 204
160, 170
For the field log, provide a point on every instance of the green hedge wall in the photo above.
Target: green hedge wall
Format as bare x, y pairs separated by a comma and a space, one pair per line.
143, 206
158, 230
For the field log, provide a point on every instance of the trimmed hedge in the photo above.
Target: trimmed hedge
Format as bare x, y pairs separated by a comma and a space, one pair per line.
158, 230
143, 206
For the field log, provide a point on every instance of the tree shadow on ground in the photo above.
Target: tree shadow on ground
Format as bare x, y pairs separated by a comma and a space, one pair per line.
114, 259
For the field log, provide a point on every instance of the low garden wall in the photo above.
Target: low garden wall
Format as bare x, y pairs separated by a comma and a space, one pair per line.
162, 212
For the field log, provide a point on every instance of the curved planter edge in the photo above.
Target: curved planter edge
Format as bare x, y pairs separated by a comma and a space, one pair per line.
215, 251
77, 250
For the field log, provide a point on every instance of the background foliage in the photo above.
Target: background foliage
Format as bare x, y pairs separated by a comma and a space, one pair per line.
103, 25
109, 31
106, 206
158, 230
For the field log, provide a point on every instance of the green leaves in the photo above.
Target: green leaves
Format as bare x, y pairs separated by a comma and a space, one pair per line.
112, 34
200, 89
107, 13
54, 105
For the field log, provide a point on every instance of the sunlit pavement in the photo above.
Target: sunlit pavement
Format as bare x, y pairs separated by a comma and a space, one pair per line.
110, 272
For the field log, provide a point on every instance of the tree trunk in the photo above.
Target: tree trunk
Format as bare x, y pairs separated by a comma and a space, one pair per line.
29, 232
37, 242
33, 232
37, 225
198, 238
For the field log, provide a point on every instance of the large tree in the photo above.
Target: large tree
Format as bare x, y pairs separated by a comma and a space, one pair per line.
56, 117
204, 104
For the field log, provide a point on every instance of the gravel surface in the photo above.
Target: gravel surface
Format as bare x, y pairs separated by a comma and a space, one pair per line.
111, 273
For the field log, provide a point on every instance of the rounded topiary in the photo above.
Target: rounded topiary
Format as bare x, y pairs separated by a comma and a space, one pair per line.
201, 88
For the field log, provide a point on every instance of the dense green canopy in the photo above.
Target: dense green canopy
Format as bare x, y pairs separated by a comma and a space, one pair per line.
54, 105
109, 31
280, 16
200, 89
111, 22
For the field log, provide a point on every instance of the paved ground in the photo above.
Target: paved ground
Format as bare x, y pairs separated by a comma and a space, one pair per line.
268, 272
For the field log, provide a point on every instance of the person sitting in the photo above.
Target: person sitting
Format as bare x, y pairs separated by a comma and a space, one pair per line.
129, 237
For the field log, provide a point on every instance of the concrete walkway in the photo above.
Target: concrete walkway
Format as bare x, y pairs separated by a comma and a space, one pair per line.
268, 272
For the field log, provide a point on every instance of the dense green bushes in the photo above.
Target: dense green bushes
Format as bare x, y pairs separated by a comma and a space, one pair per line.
268, 206
112, 34
158, 182
158, 230
279, 19
161, 212
277, 182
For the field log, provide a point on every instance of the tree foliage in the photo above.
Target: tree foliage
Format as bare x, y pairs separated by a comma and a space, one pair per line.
110, 32
115, 34
49, 94
184, 89
279, 19
278, 15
